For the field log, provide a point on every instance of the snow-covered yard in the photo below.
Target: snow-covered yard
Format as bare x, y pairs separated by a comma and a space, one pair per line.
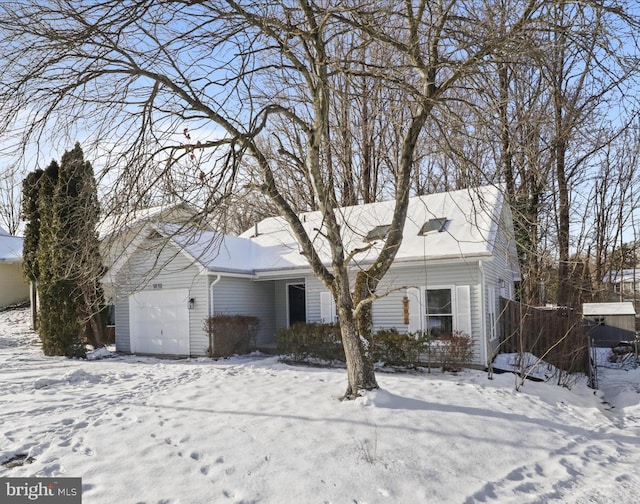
252, 429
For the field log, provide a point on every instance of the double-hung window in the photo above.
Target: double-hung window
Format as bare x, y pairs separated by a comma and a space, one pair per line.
439, 312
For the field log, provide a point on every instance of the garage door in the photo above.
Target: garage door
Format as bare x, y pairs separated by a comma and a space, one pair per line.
159, 322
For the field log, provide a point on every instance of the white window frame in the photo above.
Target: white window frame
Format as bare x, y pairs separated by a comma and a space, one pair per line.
452, 290
461, 307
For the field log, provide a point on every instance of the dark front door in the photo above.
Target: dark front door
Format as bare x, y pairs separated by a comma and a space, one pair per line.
297, 303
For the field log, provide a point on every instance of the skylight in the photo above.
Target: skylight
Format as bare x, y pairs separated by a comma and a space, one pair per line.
439, 224
378, 233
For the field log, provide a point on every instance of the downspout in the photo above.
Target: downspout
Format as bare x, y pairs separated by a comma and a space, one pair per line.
218, 277
483, 309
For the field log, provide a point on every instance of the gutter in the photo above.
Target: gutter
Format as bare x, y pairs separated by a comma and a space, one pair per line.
289, 271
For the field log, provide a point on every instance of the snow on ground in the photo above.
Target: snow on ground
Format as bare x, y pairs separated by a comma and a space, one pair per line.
253, 430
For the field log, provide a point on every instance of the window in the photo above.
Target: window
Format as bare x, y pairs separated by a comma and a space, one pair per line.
439, 224
378, 233
439, 311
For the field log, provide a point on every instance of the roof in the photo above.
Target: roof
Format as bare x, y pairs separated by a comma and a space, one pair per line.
472, 218
625, 308
213, 250
115, 223
625, 275
10, 248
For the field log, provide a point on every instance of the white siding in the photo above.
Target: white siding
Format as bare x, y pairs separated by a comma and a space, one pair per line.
314, 289
161, 266
243, 296
500, 273
13, 287
388, 311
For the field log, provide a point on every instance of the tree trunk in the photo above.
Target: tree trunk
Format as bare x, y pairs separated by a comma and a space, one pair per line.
563, 227
95, 333
360, 371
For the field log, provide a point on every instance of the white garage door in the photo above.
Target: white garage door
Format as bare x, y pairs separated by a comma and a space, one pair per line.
159, 322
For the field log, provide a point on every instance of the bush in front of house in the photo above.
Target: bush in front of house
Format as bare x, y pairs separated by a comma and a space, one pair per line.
393, 348
301, 342
304, 342
450, 351
230, 334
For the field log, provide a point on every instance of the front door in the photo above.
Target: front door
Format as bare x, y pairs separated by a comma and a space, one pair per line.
297, 304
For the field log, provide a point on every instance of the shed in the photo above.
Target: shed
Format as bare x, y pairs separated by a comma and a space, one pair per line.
610, 323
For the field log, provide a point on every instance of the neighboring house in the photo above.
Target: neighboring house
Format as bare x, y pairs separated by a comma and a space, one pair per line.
457, 258
610, 323
626, 281
13, 286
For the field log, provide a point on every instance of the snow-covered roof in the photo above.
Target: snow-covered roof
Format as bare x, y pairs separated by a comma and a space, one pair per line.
624, 308
115, 223
472, 222
625, 275
10, 248
472, 219
213, 250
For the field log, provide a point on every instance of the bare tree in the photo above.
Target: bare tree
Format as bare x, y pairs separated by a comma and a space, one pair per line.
10, 191
197, 97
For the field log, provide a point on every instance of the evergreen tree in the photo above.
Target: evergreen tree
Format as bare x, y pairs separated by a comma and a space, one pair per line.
78, 214
61, 205
31, 215
57, 319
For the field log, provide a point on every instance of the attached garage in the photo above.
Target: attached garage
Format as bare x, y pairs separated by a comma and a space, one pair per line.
159, 322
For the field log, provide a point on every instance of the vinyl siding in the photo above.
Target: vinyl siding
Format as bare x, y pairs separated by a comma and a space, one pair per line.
280, 300
243, 296
388, 311
13, 287
500, 274
160, 265
314, 288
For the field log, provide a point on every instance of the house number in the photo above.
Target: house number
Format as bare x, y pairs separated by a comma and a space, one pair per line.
157, 286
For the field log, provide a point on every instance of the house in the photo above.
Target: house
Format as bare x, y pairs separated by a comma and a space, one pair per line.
457, 258
626, 281
13, 286
610, 323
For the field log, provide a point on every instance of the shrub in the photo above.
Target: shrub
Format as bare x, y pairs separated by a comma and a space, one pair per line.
230, 334
452, 351
397, 349
303, 341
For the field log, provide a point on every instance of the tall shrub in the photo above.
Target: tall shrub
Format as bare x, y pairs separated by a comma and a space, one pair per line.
66, 262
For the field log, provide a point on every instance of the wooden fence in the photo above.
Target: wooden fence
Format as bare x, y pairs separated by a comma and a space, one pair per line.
554, 335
